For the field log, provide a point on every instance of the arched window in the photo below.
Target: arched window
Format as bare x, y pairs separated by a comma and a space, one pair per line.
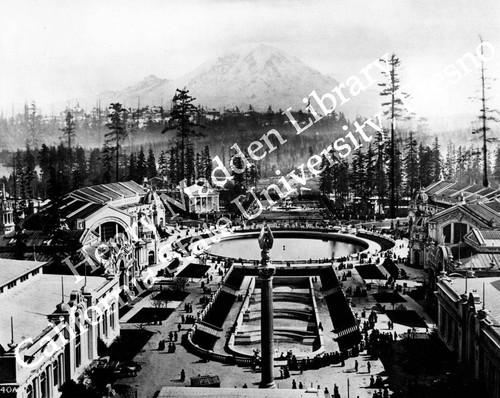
78, 348
61, 370
459, 231
43, 385
110, 230
105, 323
55, 372
447, 233
112, 316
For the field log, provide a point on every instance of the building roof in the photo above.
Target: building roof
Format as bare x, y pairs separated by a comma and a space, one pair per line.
482, 211
31, 302
13, 269
490, 238
436, 188
493, 205
479, 211
83, 212
475, 285
480, 262
105, 193
453, 191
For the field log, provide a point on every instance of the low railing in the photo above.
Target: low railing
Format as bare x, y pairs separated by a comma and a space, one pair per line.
321, 348
239, 319
209, 354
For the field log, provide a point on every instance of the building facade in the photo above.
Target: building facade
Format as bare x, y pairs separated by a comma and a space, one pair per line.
469, 324
46, 341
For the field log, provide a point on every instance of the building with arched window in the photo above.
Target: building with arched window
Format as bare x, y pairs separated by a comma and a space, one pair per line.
444, 212
469, 324
110, 229
50, 327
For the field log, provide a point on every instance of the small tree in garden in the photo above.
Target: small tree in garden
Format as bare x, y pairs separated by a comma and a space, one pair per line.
180, 284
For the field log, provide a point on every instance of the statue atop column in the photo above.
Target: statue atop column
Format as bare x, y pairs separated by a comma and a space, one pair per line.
266, 272
266, 240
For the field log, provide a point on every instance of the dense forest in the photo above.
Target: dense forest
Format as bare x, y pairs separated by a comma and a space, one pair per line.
180, 144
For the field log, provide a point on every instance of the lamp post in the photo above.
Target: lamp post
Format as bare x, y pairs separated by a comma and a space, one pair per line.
266, 272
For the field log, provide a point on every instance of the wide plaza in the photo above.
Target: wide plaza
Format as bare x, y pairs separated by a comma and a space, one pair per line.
161, 368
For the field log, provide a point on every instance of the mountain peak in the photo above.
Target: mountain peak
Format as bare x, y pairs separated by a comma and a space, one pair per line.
259, 75
151, 79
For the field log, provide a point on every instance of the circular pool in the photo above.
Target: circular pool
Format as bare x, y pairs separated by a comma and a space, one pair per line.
290, 246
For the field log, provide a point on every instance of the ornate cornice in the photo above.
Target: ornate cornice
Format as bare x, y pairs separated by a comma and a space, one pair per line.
266, 272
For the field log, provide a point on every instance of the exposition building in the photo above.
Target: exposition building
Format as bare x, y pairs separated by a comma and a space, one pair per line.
50, 327
455, 237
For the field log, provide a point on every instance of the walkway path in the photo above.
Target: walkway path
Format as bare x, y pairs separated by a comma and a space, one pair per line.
160, 368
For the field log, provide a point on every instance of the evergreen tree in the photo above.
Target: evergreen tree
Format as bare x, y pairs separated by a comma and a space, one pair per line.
142, 167
207, 163
29, 174
238, 178
199, 165
132, 167
496, 166
96, 167
411, 166
190, 163
20, 186
394, 110
341, 185
357, 179
436, 159
426, 165
371, 172
326, 177
80, 173
487, 114
151, 164
33, 126
107, 156
162, 164
69, 130
449, 167
173, 164
44, 162
182, 115
381, 182
115, 136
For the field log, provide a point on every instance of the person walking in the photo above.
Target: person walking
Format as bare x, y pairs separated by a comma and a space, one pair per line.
369, 367
183, 375
294, 384
356, 365
336, 391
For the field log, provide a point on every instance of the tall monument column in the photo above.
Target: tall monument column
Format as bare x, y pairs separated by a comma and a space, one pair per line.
266, 272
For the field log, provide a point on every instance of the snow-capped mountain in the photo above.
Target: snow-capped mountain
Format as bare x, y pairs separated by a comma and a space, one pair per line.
259, 76
149, 91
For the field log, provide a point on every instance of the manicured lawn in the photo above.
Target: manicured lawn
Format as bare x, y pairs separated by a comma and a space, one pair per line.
194, 271
128, 344
408, 318
388, 297
369, 271
171, 295
147, 315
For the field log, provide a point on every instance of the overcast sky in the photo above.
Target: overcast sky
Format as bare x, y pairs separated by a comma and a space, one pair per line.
55, 50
